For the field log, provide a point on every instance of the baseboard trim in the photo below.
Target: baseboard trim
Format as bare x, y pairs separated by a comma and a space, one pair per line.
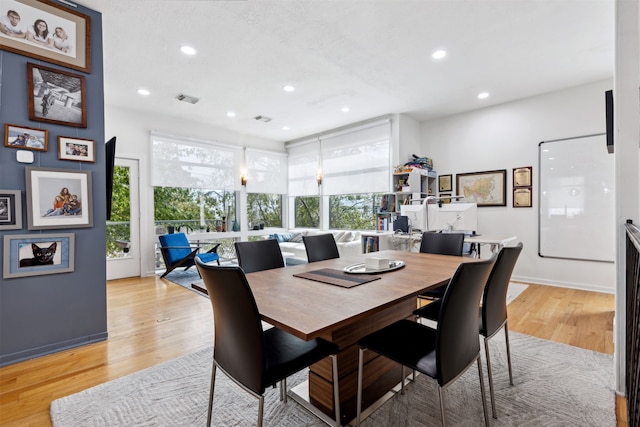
560, 284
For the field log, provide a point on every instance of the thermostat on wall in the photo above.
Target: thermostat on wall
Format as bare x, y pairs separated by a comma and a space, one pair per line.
24, 156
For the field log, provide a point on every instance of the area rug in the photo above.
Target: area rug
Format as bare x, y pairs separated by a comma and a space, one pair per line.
555, 385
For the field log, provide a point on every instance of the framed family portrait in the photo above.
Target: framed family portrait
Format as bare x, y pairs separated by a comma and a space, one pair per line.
484, 188
25, 138
42, 29
444, 183
522, 176
522, 198
37, 254
58, 198
82, 150
10, 210
56, 96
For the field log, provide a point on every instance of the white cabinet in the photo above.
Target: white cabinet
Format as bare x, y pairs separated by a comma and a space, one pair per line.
414, 185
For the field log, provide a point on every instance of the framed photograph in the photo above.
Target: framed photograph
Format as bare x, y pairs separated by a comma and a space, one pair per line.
82, 150
522, 176
56, 96
25, 138
444, 183
522, 198
58, 198
37, 254
446, 198
42, 29
10, 210
484, 188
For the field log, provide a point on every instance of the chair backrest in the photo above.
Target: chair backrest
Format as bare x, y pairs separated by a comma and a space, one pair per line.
238, 343
175, 247
320, 247
259, 255
494, 303
442, 243
457, 343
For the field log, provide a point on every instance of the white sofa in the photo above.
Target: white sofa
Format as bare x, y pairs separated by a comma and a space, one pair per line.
349, 242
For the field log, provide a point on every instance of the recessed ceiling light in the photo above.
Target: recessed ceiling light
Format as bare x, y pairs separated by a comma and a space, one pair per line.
143, 92
345, 109
483, 95
439, 54
288, 88
285, 127
188, 50
231, 114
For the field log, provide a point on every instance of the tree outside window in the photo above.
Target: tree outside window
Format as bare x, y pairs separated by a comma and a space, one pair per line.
265, 209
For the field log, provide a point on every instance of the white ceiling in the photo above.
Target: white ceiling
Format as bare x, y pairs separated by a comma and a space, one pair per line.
372, 56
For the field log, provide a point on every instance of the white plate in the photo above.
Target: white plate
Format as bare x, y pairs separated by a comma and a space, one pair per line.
362, 269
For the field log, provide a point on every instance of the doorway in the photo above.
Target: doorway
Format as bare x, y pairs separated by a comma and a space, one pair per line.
123, 230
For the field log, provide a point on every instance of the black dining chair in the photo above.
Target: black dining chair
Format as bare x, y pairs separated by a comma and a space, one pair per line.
442, 244
259, 255
253, 358
320, 247
493, 312
443, 353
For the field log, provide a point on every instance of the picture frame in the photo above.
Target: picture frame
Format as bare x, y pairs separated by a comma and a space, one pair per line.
51, 202
522, 197
70, 47
487, 188
56, 96
445, 198
445, 183
76, 149
522, 176
10, 210
38, 254
26, 138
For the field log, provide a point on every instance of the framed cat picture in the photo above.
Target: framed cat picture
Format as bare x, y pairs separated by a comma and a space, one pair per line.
38, 254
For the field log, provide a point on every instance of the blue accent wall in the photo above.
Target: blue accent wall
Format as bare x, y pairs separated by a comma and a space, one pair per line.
49, 313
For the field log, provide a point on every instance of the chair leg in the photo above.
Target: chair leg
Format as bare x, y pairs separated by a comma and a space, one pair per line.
213, 383
490, 374
359, 398
443, 414
402, 380
336, 390
283, 390
484, 400
506, 336
260, 410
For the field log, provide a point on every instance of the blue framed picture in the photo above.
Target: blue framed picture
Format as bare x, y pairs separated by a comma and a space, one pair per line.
37, 254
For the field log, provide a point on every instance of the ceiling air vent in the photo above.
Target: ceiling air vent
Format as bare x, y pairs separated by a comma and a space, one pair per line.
263, 119
187, 98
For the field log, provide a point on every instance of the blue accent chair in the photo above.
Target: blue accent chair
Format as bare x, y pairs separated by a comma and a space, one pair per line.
178, 252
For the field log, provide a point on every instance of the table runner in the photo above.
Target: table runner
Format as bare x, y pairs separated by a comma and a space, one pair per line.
337, 277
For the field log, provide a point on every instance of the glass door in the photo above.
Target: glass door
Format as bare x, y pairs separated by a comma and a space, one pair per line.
123, 230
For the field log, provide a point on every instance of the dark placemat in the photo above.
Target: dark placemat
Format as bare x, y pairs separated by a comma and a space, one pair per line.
337, 277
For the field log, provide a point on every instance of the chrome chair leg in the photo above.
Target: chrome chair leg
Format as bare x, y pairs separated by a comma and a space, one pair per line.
213, 383
443, 414
484, 400
336, 390
506, 336
359, 395
490, 374
260, 410
283, 390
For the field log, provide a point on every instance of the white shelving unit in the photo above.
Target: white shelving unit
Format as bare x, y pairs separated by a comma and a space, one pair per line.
412, 187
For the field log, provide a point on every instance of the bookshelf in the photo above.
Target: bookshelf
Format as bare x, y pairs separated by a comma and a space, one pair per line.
413, 184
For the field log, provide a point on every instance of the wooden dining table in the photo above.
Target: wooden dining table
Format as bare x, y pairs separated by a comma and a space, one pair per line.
310, 309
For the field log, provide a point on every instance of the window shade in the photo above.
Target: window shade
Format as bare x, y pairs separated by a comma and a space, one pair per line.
267, 172
304, 163
187, 163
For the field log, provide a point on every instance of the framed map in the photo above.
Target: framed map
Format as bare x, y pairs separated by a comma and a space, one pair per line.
484, 188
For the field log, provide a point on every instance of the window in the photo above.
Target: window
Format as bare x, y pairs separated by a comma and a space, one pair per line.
194, 209
307, 212
119, 228
264, 210
266, 187
353, 211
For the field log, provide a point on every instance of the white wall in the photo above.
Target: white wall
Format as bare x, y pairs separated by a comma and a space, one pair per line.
132, 130
506, 136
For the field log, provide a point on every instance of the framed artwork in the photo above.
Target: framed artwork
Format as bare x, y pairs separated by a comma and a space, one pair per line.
82, 150
37, 254
444, 183
445, 198
10, 210
58, 198
522, 198
42, 29
522, 176
484, 188
56, 96
25, 138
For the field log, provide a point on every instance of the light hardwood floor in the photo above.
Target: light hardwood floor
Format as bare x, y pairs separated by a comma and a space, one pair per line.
151, 321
